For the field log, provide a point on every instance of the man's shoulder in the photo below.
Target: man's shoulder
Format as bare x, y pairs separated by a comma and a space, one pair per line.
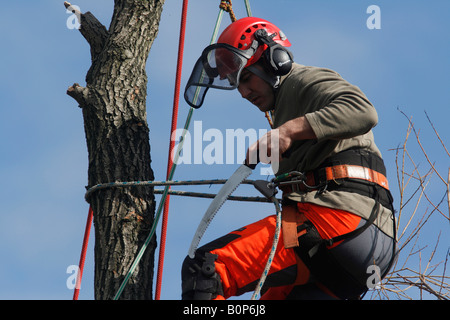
303, 76
312, 71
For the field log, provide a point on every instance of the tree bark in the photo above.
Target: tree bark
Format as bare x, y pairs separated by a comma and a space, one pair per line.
117, 135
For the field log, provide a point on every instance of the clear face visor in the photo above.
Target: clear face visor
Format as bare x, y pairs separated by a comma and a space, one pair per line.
220, 67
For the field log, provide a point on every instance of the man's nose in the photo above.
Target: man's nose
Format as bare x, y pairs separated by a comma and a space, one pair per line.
244, 91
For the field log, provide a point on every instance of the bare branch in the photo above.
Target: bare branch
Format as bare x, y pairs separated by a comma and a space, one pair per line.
92, 30
79, 93
412, 276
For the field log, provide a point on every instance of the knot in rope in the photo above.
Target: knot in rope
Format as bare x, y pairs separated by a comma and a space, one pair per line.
227, 6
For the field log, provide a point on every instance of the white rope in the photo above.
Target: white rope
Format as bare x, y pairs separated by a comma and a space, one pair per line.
272, 251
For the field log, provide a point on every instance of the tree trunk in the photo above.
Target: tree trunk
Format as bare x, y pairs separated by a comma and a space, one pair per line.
117, 136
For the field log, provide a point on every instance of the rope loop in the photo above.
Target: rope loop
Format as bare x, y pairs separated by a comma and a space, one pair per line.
227, 6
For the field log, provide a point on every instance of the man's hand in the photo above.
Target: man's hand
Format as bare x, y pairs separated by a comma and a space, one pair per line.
273, 145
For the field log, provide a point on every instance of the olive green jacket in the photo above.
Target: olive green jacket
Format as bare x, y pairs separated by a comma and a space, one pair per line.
342, 117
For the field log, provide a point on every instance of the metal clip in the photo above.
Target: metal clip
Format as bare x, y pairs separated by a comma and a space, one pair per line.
268, 189
288, 176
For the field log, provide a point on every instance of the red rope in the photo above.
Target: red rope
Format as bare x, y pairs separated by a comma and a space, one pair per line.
171, 147
83, 253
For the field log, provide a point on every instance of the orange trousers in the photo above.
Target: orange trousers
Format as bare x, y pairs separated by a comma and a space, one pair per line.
243, 253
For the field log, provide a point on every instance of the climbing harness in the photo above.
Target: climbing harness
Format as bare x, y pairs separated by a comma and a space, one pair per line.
353, 170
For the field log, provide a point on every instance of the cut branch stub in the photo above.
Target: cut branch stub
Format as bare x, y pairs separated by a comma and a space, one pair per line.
79, 93
92, 30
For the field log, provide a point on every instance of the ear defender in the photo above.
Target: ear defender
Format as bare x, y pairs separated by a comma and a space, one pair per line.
278, 57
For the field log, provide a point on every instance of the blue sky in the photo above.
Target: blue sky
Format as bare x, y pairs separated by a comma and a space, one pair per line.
43, 164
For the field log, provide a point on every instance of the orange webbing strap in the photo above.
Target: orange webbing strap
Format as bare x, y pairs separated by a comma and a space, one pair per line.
290, 219
356, 172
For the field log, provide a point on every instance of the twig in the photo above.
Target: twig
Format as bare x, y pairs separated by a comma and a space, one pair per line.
437, 134
423, 150
448, 193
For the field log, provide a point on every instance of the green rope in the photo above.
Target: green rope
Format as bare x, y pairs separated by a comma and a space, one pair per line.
247, 7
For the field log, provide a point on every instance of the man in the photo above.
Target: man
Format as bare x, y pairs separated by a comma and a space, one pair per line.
338, 226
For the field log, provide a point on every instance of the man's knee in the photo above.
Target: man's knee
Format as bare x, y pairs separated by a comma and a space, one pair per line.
199, 278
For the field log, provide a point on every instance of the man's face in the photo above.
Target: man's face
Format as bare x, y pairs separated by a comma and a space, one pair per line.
256, 90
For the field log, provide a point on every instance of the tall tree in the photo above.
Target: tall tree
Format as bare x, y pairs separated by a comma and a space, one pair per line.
117, 135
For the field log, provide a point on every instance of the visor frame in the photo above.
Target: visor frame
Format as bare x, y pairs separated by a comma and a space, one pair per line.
245, 54
212, 72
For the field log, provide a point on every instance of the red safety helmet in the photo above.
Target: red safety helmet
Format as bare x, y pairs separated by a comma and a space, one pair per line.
239, 46
241, 34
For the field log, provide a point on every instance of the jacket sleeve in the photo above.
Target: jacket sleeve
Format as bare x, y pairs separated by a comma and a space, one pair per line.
342, 110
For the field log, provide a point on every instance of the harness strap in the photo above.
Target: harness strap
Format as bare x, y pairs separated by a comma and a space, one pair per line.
290, 220
345, 171
353, 170
313, 251
349, 235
